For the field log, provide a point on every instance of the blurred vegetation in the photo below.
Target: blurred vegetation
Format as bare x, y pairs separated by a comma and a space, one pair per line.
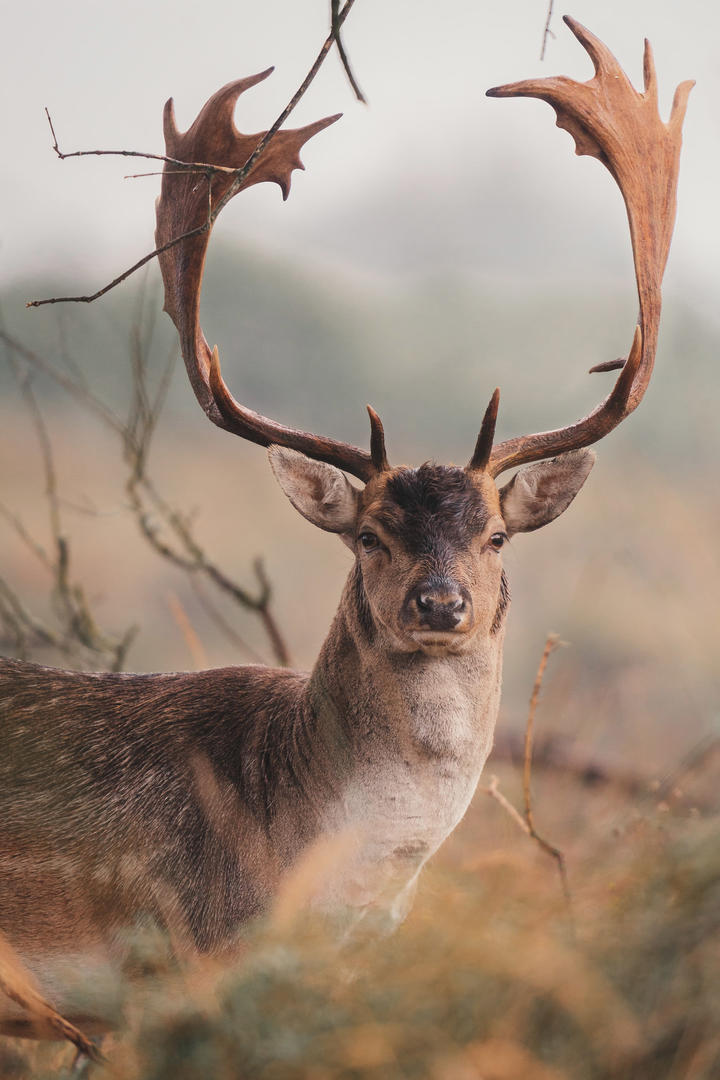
491, 978
487, 979
312, 347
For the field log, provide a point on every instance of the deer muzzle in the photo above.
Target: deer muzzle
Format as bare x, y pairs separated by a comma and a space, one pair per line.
438, 605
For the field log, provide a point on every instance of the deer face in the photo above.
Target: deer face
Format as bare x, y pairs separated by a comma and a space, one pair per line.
428, 542
428, 545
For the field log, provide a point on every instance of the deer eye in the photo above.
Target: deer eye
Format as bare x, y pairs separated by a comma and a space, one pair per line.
369, 540
498, 539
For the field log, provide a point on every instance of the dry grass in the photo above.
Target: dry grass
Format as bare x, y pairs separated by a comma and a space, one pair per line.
489, 979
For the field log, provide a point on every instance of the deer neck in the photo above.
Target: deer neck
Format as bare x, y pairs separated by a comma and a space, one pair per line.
418, 730
442, 708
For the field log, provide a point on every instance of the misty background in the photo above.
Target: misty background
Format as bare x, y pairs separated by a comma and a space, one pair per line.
439, 244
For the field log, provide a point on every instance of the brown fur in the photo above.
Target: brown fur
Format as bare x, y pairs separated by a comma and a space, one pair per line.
185, 800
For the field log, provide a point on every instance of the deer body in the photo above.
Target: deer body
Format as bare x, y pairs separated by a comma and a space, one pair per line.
185, 799
192, 799
213, 783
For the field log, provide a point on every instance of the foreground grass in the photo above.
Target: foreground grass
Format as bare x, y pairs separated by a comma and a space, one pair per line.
492, 977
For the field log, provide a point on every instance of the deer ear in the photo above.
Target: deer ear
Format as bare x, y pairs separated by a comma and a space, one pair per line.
320, 492
539, 493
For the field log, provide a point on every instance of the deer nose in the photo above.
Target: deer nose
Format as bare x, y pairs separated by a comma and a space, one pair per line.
441, 606
429, 601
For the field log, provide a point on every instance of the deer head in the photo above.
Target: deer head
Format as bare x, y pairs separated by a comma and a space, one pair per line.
428, 541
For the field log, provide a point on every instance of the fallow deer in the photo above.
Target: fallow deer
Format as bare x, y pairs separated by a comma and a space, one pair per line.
188, 798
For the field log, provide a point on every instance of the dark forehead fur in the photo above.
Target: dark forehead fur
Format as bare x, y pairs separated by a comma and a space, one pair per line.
420, 505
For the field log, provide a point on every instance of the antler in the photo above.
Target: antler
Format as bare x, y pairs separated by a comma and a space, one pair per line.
189, 203
611, 121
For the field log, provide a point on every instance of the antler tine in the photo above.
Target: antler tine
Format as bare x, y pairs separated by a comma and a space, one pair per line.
377, 442
611, 121
483, 447
188, 205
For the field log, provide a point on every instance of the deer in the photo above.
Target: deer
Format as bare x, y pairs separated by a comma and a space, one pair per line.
190, 798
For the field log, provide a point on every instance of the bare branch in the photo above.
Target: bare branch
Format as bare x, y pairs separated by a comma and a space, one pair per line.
21, 622
158, 172
552, 643
18, 984
526, 823
183, 166
242, 173
494, 792
239, 174
153, 512
24, 380
547, 32
79, 635
37, 549
334, 13
74, 384
272, 629
188, 631
121, 277
221, 622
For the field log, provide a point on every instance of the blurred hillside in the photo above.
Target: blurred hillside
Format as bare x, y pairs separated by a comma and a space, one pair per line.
628, 576
426, 348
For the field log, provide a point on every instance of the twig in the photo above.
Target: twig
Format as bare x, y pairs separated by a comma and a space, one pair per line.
221, 622
183, 166
162, 172
493, 791
547, 33
240, 174
25, 383
18, 985
79, 635
37, 549
334, 13
136, 432
553, 754
526, 823
189, 556
21, 622
74, 385
269, 621
126, 274
696, 756
550, 645
188, 631
552, 642
261, 605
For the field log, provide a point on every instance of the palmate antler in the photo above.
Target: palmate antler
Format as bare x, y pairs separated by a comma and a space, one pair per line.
607, 118
611, 121
185, 205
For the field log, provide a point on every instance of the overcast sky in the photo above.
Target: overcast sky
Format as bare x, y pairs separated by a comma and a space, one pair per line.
423, 177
